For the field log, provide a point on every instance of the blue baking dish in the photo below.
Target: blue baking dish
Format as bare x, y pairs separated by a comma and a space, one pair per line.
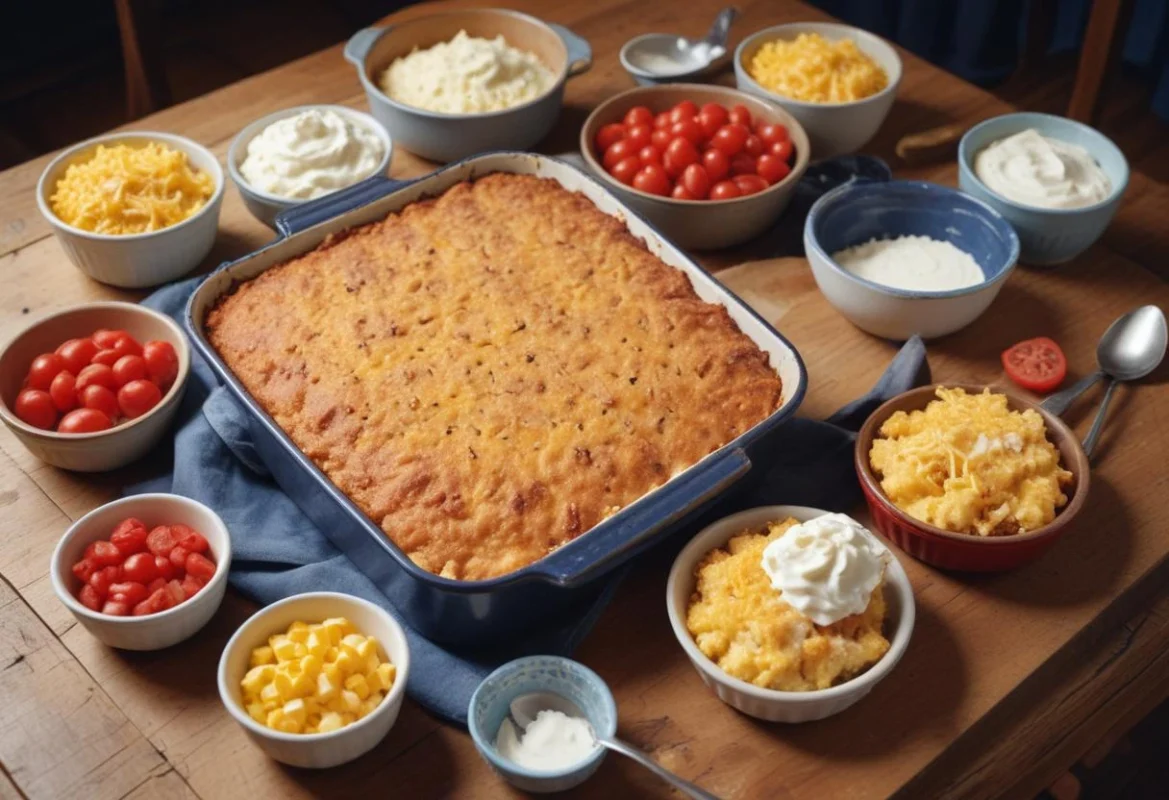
476, 612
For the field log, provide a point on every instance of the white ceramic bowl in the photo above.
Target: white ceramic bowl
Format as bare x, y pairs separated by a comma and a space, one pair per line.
165, 628
833, 128
316, 750
265, 205
769, 704
105, 450
136, 260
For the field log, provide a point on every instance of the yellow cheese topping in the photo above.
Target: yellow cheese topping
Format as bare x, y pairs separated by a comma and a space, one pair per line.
815, 70
124, 190
316, 678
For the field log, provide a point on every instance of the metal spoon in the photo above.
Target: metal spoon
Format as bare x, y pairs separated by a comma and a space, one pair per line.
1131, 348
644, 55
524, 709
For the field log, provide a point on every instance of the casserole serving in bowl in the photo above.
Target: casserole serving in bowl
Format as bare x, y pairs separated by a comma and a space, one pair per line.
495, 595
445, 137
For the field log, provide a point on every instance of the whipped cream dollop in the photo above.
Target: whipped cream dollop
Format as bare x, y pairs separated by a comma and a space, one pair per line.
552, 741
1036, 170
311, 154
827, 567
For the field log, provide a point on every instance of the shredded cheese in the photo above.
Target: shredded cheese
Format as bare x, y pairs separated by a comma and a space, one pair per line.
815, 70
125, 190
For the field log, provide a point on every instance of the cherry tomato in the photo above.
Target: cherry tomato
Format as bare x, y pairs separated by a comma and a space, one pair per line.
783, 150
83, 569
161, 540
660, 138
36, 408
89, 598
129, 368
639, 136
750, 184
772, 132
106, 357
710, 123
771, 168
63, 390
105, 339
609, 135
200, 567
178, 556
650, 154
115, 609
717, 165
743, 164
688, 129
724, 190
138, 397
652, 179
84, 420
190, 538
624, 171
679, 193
696, 181
687, 109
621, 150
1037, 364
680, 154
140, 567
101, 399
77, 354
162, 363
730, 138
191, 586
165, 569
127, 345
740, 114
638, 115
44, 368
103, 578
715, 111
129, 536
753, 146
129, 592
96, 375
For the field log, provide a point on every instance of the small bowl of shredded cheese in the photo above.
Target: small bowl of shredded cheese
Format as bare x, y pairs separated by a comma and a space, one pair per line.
837, 80
133, 209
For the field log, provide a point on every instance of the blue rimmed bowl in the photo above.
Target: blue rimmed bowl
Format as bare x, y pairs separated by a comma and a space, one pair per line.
858, 212
1047, 235
550, 674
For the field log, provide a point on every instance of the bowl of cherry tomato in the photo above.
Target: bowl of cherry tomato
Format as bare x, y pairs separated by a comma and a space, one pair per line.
708, 166
144, 572
93, 387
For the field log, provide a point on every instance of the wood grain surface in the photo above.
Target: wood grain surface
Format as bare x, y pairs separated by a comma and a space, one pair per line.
1008, 679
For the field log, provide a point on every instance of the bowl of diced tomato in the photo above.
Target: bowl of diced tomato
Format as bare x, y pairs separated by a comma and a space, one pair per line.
144, 572
708, 166
93, 387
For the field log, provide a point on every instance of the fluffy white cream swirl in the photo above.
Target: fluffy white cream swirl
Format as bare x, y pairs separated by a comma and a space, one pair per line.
1039, 171
826, 568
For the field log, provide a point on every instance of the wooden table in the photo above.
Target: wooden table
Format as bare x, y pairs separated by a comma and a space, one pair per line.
1007, 681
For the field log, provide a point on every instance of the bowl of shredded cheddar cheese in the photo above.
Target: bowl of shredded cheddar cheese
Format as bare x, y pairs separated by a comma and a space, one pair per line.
133, 209
837, 80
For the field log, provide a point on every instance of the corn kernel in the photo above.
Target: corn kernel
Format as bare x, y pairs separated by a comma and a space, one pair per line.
386, 673
330, 721
300, 635
369, 705
284, 682
262, 655
350, 701
311, 666
257, 677
331, 654
295, 710
337, 627
303, 685
270, 693
284, 648
299, 650
358, 685
347, 662
326, 687
256, 711
317, 643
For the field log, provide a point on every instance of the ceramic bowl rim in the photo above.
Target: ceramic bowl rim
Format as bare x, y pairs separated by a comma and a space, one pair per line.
392, 698
833, 195
487, 749
8, 415
236, 152
863, 38
803, 153
858, 685
966, 162
1081, 469
174, 140
222, 561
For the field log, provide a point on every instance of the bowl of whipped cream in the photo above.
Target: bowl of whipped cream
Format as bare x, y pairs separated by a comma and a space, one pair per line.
1057, 181
303, 153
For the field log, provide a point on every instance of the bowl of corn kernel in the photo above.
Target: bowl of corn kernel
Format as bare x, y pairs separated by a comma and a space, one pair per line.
317, 679
837, 80
133, 209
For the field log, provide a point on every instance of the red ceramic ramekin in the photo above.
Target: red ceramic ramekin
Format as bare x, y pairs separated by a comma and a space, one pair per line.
958, 551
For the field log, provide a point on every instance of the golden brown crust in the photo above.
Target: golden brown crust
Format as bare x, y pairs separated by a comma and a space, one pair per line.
491, 373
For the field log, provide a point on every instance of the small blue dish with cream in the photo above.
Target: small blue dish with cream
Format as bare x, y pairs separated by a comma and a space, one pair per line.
862, 211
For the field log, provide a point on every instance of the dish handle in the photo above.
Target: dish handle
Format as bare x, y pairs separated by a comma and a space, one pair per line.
299, 218
574, 566
360, 43
580, 54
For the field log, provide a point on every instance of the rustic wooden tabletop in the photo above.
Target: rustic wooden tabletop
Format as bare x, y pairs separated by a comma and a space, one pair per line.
1008, 678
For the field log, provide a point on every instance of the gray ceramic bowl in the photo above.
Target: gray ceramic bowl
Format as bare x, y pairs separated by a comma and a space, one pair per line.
699, 224
449, 137
264, 205
1047, 235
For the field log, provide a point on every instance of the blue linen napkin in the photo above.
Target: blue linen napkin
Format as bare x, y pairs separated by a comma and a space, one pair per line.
278, 552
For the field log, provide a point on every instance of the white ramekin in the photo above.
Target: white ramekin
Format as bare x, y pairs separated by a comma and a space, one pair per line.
136, 260
316, 750
769, 704
155, 631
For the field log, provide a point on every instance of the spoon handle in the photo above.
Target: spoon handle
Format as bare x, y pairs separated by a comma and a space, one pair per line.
720, 31
1098, 423
1062, 401
680, 784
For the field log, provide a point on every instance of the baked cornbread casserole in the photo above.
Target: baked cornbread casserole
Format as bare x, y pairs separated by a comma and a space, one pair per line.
742, 623
490, 373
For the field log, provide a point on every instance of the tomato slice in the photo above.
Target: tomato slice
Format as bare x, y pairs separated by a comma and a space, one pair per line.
1036, 364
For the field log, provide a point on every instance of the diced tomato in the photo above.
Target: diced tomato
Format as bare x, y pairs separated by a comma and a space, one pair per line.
129, 592
200, 567
1036, 364
116, 609
178, 556
161, 540
155, 585
190, 538
130, 536
174, 593
164, 568
106, 554
83, 569
102, 579
89, 598
140, 567
191, 586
